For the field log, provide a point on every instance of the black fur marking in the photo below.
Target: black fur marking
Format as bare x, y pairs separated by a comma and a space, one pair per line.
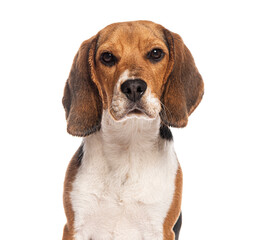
92, 130
80, 155
166, 133
177, 227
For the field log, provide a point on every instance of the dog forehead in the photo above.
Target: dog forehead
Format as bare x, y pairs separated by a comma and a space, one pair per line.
130, 32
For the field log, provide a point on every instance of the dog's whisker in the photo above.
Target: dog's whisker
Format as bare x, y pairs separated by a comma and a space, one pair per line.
166, 110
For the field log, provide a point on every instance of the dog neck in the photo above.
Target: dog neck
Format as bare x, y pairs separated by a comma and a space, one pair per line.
125, 151
133, 138
129, 132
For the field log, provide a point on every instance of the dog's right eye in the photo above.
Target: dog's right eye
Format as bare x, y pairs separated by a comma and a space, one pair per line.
108, 59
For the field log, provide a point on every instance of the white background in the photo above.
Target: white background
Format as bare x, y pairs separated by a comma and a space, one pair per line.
220, 150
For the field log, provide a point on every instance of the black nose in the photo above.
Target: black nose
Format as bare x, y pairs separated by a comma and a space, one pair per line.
134, 89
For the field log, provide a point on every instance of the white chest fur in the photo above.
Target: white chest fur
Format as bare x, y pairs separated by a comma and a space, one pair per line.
125, 185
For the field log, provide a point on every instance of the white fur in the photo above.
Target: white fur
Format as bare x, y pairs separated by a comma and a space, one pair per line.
125, 184
119, 100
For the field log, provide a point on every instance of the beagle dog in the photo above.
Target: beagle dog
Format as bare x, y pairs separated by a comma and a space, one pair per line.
128, 84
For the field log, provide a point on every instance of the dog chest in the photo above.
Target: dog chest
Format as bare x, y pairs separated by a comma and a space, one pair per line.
126, 202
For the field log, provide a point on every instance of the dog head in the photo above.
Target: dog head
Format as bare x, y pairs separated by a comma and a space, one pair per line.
133, 69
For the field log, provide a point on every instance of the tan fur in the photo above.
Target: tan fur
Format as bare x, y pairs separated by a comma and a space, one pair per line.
131, 42
175, 207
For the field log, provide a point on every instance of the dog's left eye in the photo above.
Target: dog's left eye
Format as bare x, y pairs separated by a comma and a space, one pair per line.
155, 55
108, 59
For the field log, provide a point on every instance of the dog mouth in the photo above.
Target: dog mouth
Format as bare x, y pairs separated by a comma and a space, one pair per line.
132, 111
121, 111
136, 111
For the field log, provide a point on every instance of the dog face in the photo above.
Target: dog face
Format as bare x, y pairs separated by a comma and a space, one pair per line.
134, 69
131, 61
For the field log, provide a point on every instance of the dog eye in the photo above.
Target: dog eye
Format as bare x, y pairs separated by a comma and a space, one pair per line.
108, 59
155, 55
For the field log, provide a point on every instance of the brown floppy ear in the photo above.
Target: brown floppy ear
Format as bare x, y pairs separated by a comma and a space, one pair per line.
184, 87
81, 99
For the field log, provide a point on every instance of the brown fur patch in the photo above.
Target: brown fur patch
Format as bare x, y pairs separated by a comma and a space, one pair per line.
69, 179
81, 100
175, 208
184, 88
